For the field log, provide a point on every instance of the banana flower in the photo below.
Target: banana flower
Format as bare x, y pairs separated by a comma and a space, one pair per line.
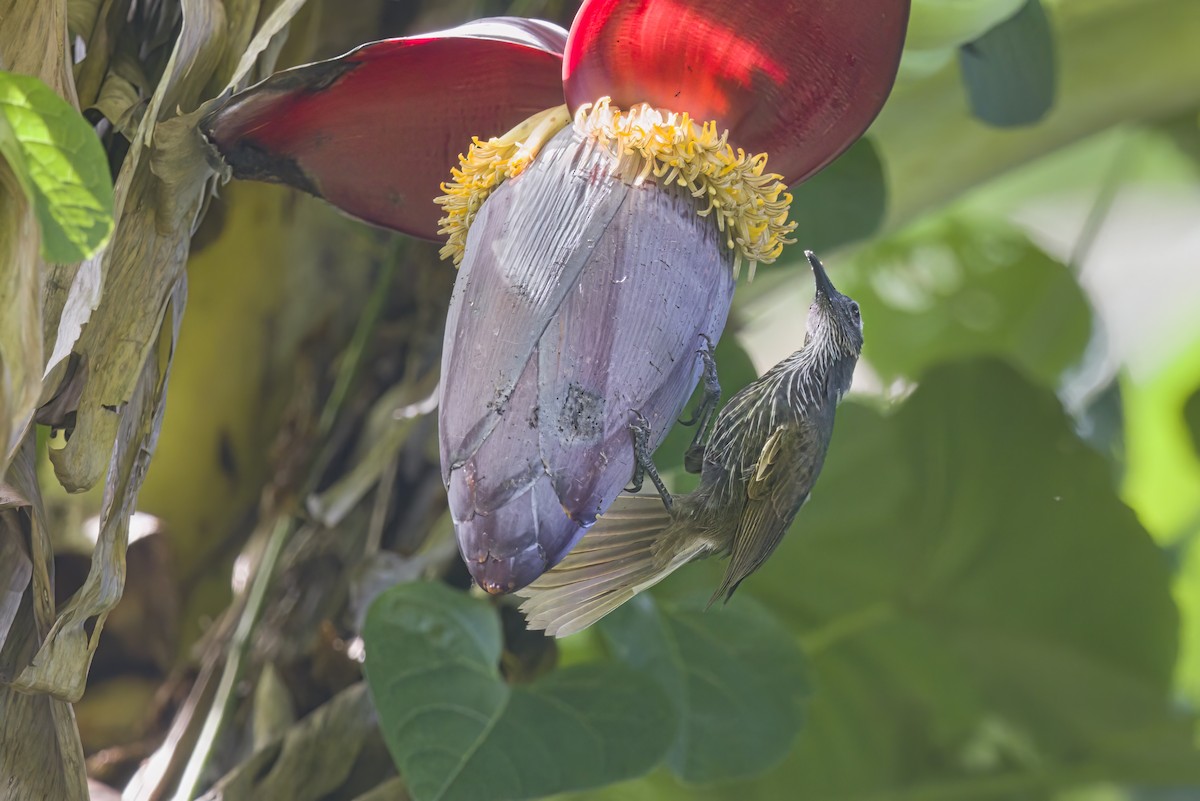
616, 180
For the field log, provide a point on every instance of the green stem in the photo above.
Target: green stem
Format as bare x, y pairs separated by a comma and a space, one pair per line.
1102, 204
847, 626
353, 356
239, 646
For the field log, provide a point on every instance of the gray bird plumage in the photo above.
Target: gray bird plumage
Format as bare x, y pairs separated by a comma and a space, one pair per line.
766, 450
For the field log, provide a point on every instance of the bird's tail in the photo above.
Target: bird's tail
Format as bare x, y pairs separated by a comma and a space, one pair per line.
615, 560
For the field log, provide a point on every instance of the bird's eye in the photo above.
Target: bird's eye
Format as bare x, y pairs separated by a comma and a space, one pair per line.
854, 312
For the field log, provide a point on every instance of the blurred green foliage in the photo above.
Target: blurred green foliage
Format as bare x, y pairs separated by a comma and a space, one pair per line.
951, 287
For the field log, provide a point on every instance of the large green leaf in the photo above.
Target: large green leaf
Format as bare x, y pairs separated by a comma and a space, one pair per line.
735, 675
982, 615
954, 287
993, 610
60, 164
457, 731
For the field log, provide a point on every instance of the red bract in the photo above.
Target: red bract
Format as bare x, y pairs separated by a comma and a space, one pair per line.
799, 80
377, 130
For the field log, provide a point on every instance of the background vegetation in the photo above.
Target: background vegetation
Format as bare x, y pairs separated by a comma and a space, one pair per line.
994, 593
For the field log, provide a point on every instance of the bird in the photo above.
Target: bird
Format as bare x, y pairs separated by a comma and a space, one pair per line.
757, 468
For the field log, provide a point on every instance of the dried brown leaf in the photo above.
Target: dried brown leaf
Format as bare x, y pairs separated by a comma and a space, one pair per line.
71, 294
391, 790
40, 752
21, 322
63, 659
119, 102
265, 42
29, 42
315, 757
15, 566
146, 257
390, 424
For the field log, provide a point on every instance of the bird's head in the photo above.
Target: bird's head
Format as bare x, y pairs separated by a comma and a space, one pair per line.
834, 320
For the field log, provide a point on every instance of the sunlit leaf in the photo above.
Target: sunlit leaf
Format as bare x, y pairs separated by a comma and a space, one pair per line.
1163, 477
1191, 416
60, 164
1187, 594
457, 731
734, 674
1162, 483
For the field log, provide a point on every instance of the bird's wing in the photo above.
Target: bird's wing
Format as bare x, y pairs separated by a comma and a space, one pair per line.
779, 485
616, 559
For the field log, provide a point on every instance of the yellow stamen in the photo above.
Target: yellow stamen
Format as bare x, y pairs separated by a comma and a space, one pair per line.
750, 206
486, 166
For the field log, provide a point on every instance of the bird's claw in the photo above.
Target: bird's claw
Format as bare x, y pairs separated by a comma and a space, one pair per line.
643, 465
639, 428
707, 406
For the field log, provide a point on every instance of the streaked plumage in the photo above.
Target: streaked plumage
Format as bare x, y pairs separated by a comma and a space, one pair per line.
766, 450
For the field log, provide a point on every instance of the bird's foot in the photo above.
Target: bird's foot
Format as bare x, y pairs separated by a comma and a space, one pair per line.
705, 409
643, 463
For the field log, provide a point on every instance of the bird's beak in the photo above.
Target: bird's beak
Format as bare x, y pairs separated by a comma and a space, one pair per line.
825, 288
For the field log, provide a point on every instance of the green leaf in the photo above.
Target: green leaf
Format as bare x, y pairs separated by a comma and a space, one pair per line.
457, 731
976, 602
843, 203
734, 674
982, 615
1191, 415
1009, 72
1162, 483
60, 165
1162, 479
953, 287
